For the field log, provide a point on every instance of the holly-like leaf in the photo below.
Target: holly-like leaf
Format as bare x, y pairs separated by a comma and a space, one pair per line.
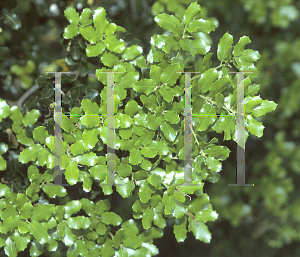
72, 173
190, 13
201, 25
95, 50
239, 47
265, 107
72, 15
168, 131
170, 23
30, 154
254, 127
100, 21
111, 218
224, 46
31, 117
180, 229
199, 230
145, 86
147, 218
132, 52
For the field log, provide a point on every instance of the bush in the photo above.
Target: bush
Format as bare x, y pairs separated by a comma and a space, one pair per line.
149, 137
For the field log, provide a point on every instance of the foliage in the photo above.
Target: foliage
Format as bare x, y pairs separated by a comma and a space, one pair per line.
149, 137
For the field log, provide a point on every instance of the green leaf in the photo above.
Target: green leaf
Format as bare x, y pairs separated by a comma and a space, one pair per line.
145, 86
169, 203
132, 52
201, 25
145, 192
251, 103
123, 121
30, 153
149, 102
205, 120
31, 117
254, 127
199, 230
90, 121
224, 46
248, 56
72, 15
169, 75
95, 50
114, 45
2, 163
85, 17
133, 242
167, 93
265, 107
89, 34
109, 59
111, 218
170, 23
89, 107
190, 13
124, 170
168, 131
10, 248
179, 229
71, 31
88, 159
23, 139
42, 212
207, 78
147, 218
98, 172
239, 47
4, 110
100, 21
78, 222
54, 190
135, 157
40, 134
171, 117
67, 125
72, 173
111, 29
206, 215
218, 152
198, 203
126, 189
16, 115
39, 231
131, 108
12, 20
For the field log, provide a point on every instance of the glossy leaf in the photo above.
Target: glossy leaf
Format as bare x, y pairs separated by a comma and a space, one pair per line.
72, 173
201, 25
31, 117
199, 230
132, 52
111, 218
239, 47
170, 23
254, 127
30, 153
224, 46
95, 50
180, 229
72, 15
190, 13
